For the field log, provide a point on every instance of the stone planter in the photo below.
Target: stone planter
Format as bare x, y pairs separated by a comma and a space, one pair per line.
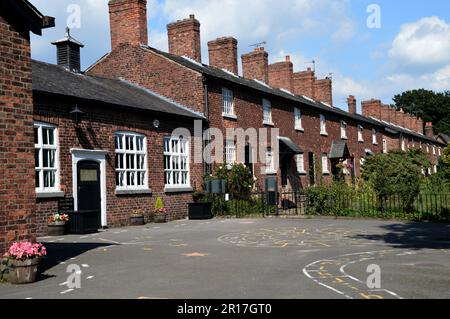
137, 220
23, 272
57, 229
160, 218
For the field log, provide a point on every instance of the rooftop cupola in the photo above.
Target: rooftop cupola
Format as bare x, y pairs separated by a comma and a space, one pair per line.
68, 52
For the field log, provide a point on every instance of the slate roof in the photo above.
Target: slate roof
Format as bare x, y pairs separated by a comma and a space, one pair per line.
264, 88
445, 137
55, 79
339, 149
294, 148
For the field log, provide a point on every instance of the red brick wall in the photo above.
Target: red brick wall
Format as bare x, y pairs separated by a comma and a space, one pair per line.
184, 38
17, 190
155, 72
255, 65
96, 131
223, 54
128, 22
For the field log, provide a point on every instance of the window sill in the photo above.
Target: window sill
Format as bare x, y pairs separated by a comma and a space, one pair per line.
345, 138
271, 173
269, 124
229, 116
326, 173
302, 173
361, 141
181, 189
300, 130
324, 134
133, 192
49, 194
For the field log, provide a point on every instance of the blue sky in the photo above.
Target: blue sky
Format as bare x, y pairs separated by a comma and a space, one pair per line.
410, 50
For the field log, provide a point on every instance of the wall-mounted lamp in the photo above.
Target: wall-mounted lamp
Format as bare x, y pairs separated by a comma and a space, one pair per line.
76, 114
156, 123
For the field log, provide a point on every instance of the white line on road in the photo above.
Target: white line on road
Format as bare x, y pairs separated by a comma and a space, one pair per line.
66, 291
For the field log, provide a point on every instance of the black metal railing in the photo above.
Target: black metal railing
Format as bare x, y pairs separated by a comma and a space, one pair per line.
356, 203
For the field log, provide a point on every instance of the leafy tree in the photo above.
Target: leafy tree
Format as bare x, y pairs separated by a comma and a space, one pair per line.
433, 106
444, 163
396, 173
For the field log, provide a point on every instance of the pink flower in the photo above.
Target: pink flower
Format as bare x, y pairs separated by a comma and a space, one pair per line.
26, 250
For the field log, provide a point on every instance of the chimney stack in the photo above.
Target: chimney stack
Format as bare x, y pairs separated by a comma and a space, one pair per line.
255, 65
324, 90
280, 74
68, 52
351, 101
128, 22
371, 108
384, 112
223, 54
303, 83
429, 132
184, 38
420, 125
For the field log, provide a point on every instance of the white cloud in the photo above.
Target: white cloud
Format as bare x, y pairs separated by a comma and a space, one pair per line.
422, 44
278, 23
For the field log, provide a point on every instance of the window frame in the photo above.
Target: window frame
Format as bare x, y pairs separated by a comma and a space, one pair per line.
267, 112
228, 105
385, 146
136, 154
180, 154
300, 161
374, 137
41, 146
230, 152
323, 125
325, 168
343, 127
298, 119
360, 134
270, 169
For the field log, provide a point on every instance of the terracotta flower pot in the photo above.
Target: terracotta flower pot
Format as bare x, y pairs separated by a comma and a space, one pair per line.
57, 229
23, 272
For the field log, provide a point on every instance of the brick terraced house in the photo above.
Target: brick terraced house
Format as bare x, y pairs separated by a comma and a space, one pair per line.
17, 192
314, 135
104, 136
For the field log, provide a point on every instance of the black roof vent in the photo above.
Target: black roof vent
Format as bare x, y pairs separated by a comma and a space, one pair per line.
68, 52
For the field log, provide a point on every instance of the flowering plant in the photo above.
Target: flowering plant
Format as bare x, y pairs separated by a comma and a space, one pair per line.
161, 211
25, 250
159, 206
58, 218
